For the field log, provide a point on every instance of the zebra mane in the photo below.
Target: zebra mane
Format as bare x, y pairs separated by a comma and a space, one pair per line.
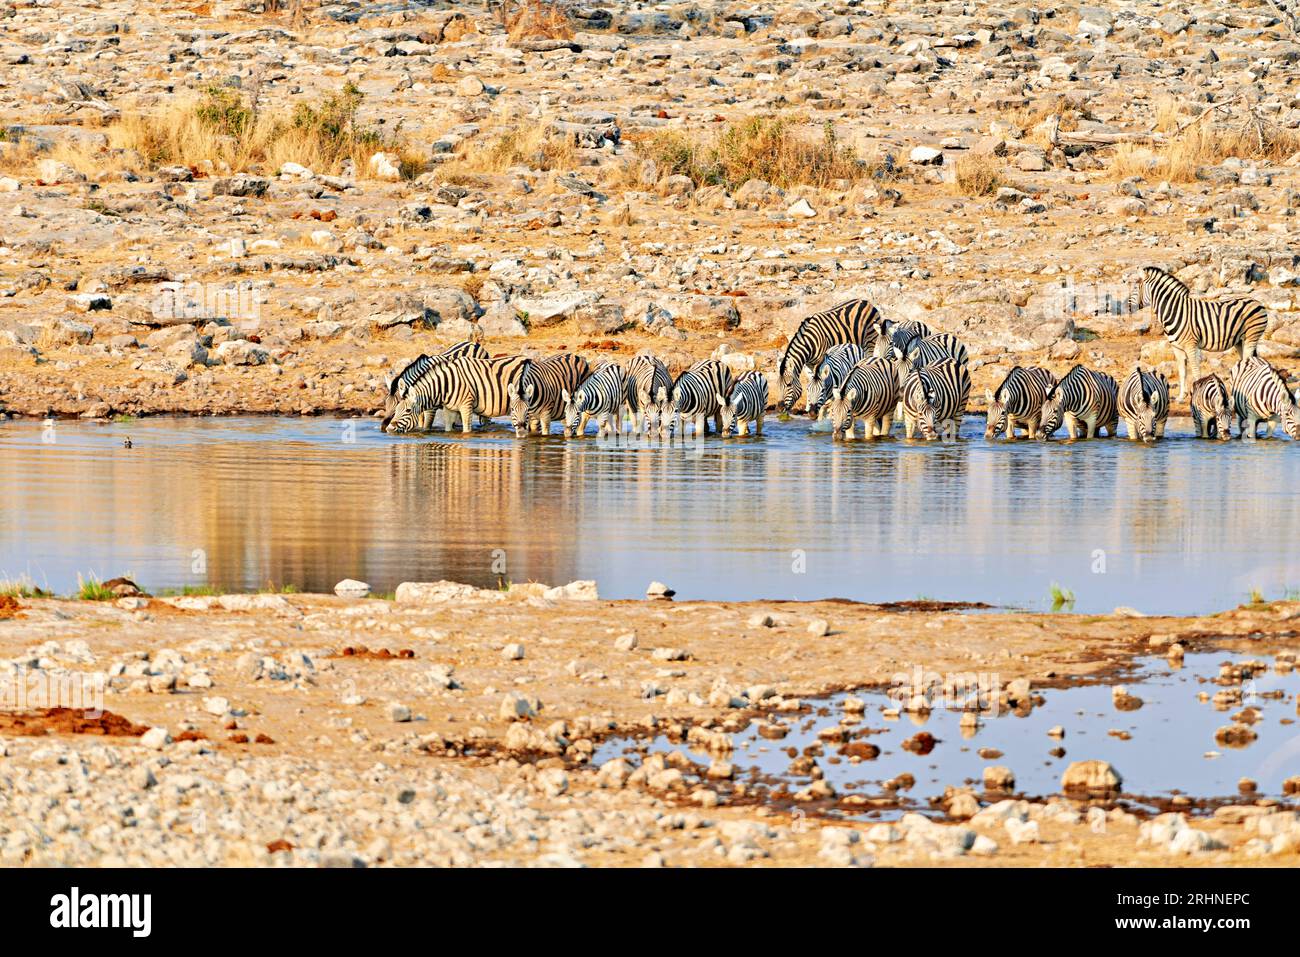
392, 385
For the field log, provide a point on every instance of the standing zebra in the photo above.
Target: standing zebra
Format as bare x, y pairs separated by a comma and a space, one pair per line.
417, 367
870, 393
695, 395
466, 385
747, 403
832, 370
1144, 405
898, 335
649, 394
853, 321
1192, 324
536, 395
1081, 397
1017, 402
1211, 408
925, 350
934, 399
1259, 395
601, 396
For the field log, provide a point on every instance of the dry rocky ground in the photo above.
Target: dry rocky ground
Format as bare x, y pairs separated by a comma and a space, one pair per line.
996, 169
456, 726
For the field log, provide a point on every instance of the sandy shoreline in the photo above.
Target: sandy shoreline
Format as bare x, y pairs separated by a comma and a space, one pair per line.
344, 777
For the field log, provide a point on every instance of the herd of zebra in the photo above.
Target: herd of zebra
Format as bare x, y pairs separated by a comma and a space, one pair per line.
849, 364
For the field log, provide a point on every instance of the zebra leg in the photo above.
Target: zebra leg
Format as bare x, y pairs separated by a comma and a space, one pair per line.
1130, 426
1072, 426
701, 425
1180, 359
1195, 360
1248, 425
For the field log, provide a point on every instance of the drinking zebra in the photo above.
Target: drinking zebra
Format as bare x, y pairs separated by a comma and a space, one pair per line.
601, 396
870, 392
934, 399
695, 395
1017, 402
854, 321
1192, 324
832, 370
536, 395
401, 383
1144, 405
926, 350
1082, 397
649, 394
747, 403
466, 385
1211, 408
1259, 395
898, 335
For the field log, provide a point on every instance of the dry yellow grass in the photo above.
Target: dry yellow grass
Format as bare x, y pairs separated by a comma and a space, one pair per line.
978, 175
1201, 144
533, 20
765, 148
224, 130
532, 143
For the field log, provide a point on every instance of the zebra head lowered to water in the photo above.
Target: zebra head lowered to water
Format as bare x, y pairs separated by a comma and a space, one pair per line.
537, 393
1211, 408
1082, 398
871, 393
1144, 405
1017, 402
1192, 325
601, 396
649, 394
934, 399
832, 371
1259, 395
413, 371
747, 404
695, 395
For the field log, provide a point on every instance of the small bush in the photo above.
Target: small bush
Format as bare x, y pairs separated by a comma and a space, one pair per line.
534, 20
91, 589
767, 148
978, 176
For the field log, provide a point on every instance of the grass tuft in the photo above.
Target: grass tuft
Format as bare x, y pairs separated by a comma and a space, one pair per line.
91, 589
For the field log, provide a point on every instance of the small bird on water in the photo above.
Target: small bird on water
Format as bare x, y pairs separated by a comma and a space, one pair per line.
126, 443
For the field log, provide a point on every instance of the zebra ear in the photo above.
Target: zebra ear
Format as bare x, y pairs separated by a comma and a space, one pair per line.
720, 397
663, 394
837, 393
853, 395
988, 395
564, 394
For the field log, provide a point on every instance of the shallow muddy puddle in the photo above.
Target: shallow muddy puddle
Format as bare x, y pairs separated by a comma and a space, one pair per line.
1162, 747
1182, 527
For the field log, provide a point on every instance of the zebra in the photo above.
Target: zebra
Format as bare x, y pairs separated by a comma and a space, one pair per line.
1144, 405
536, 398
898, 335
1258, 395
696, 392
934, 399
870, 392
925, 350
1211, 408
853, 321
1192, 324
747, 403
401, 383
649, 394
1082, 396
466, 385
601, 396
834, 368
1017, 402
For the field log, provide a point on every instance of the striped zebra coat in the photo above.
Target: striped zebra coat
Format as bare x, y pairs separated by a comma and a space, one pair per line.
934, 399
871, 393
853, 321
1017, 402
1144, 405
1192, 325
927, 350
602, 396
898, 335
1211, 408
649, 394
1259, 395
536, 395
1082, 398
833, 370
695, 395
468, 386
747, 404
417, 367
